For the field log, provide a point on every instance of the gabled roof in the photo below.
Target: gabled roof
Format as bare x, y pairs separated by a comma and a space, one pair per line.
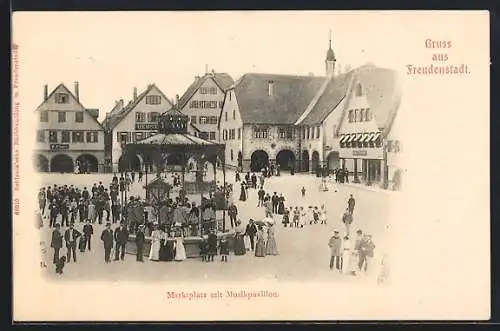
174, 139
222, 80
330, 98
67, 90
117, 115
291, 96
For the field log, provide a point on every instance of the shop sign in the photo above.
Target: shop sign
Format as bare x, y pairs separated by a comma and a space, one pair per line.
146, 126
362, 153
59, 147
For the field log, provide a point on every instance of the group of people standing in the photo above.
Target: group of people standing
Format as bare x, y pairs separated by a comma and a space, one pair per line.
348, 256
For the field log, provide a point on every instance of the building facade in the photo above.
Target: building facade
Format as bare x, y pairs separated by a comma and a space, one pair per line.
131, 123
202, 102
68, 134
395, 155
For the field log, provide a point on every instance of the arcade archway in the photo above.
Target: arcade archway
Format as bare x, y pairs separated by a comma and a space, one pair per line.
333, 160
305, 161
61, 163
88, 163
41, 163
286, 159
129, 162
315, 161
259, 160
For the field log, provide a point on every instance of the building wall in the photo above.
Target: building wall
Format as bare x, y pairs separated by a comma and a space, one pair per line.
130, 126
235, 123
49, 149
198, 112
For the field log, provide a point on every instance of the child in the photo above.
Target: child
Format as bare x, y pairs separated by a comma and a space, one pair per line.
212, 245
303, 191
296, 217
60, 265
43, 251
322, 215
310, 215
224, 248
82, 243
316, 215
286, 218
302, 217
203, 249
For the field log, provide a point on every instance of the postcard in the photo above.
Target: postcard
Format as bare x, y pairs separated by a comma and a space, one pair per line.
239, 166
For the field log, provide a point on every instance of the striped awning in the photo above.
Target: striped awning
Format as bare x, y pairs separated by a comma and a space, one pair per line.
351, 137
358, 137
343, 138
375, 136
364, 137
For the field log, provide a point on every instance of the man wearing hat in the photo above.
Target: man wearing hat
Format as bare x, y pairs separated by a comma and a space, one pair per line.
107, 239
70, 236
335, 244
121, 238
139, 241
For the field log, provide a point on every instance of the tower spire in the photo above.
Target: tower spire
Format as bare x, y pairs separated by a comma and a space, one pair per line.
330, 39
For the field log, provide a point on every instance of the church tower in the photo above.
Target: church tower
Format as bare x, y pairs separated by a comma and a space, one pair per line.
330, 59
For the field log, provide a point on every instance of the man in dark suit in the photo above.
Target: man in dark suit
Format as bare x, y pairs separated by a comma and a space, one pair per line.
88, 231
233, 212
350, 204
56, 242
70, 236
275, 202
107, 239
250, 231
139, 241
121, 238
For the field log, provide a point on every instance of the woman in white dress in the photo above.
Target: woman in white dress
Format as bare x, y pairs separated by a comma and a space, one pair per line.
302, 220
322, 214
348, 257
156, 237
180, 251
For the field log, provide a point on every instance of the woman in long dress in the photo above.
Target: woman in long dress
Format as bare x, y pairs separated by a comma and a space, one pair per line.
260, 246
166, 249
281, 205
239, 241
180, 251
271, 247
243, 194
156, 237
349, 257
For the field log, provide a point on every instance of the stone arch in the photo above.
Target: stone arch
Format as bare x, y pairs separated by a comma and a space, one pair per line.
315, 161
128, 162
305, 160
61, 163
286, 159
88, 163
333, 160
259, 160
41, 163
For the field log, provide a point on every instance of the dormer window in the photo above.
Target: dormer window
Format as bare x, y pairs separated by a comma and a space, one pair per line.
62, 98
359, 90
270, 91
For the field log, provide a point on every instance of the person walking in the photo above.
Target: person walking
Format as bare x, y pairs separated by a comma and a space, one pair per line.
347, 221
335, 244
121, 238
260, 247
56, 242
140, 239
71, 235
107, 239
351, 202
53, 211
250, 231
271, 247
88, 231
275, 201
232, 212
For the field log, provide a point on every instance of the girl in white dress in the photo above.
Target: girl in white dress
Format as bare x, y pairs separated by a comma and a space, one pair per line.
180, 251
156, 237
302, 220
322, 215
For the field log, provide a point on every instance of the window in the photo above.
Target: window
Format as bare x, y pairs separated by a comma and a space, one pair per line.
203, 135
53, 136
312, 133
153, 99
92, 137
212, 135
193, 104
213, 90
79, 117
204, 104
361, 115
121, 137
359, 90
140, 117
196, 134
203, 119
232, 156
308, 133
44, 116
225, 114
230, 96
261, 133
153, 117
285, 133
61, 116
303, 133
62, 98
350, 116
234, 114
40, 136
318, 132
212, 120
193, 119
224, 134
65, 137
356, 115
239, 133
139, 136
368, 114
203, 90
77, 137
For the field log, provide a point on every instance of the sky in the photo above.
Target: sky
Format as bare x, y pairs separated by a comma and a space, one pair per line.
110, 53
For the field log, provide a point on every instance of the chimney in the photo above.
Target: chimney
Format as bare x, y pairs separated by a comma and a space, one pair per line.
135, 93
176, 99
271, 88
77, 91
45, 92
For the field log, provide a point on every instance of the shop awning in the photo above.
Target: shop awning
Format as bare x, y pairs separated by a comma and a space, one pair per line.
364, 137
357, 137
343, 138
351, 137
375, 136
